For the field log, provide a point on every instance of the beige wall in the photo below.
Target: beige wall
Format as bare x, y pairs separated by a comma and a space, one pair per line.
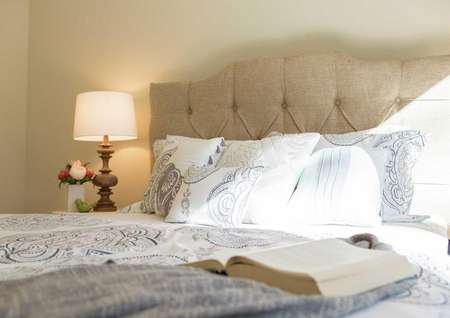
86, 45
13, 102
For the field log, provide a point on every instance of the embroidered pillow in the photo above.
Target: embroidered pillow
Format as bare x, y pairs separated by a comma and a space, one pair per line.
338, 186
216, 197
175, 159
394, 156
283, 157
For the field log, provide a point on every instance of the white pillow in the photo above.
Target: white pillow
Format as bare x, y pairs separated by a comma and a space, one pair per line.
158, 147
394, 155
177, 155
338, 186
160, 144
216, 197
191, 151
270, 151
283, 157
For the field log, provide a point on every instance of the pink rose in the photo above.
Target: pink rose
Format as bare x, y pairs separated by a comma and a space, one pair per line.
89, 173
63, 174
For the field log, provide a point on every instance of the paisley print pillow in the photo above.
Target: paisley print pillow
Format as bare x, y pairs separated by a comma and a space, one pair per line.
216, 197
175, 158
394, 156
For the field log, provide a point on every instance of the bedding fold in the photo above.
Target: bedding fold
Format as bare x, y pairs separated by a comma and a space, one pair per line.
154, 291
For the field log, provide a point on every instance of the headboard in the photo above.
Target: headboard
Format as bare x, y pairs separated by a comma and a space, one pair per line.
327, 93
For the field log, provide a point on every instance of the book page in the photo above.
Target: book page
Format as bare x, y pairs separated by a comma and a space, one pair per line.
336, 267
320, 258
208, 264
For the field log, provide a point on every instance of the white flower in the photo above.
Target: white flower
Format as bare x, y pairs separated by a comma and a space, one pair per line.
77, 171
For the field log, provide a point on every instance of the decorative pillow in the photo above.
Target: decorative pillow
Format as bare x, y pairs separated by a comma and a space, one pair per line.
135, 207
216, 197
283, 157
337, 186
158, 147
175, 159
269, 152
394, 156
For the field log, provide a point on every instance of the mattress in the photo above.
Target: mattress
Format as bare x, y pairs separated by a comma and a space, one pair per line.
31, 244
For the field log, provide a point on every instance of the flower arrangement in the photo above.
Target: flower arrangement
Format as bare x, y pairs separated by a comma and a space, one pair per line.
75, 173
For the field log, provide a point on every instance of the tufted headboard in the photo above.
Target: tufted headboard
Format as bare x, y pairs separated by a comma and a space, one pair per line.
327, 93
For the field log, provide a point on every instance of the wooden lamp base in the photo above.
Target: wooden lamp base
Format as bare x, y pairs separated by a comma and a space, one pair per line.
105, 180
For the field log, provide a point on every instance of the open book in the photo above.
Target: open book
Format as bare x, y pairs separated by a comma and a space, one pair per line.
329, 267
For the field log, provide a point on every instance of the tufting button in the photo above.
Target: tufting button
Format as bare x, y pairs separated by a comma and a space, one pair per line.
189, 111
337, 102
284, 106
235, 108
398, 100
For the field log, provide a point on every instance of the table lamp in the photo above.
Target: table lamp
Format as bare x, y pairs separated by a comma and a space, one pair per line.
104, 116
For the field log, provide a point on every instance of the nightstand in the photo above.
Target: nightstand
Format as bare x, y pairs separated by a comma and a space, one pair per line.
67, 212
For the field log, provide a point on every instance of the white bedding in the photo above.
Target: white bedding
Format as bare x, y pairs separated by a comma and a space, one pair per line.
32, 244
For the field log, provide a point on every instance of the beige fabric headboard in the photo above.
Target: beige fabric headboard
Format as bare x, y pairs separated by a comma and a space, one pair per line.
327, 93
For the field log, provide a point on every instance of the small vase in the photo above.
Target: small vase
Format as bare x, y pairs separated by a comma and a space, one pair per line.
76, 191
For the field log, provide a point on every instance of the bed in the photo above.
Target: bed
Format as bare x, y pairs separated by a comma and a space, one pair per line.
326, 93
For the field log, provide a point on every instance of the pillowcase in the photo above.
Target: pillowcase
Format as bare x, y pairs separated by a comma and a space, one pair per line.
175, 159
158, 147
337, 186
283, 157
159, 144
270, 151
394, 155
216, 197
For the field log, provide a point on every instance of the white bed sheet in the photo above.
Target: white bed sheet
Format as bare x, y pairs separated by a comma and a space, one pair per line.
424, 244
429, 236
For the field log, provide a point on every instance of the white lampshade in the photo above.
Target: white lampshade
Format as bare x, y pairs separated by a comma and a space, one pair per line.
104, 113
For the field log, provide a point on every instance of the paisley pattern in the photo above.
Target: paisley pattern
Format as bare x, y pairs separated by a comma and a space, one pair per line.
394, 155
432, 287
35, 251
430, 290
237, 238
167, 183
152, 192
37, 222
228, 199
30, 253
174, 155
105, 240
214, 196
404, 148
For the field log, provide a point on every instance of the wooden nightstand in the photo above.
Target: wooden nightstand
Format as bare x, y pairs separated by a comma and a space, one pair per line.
67, 212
